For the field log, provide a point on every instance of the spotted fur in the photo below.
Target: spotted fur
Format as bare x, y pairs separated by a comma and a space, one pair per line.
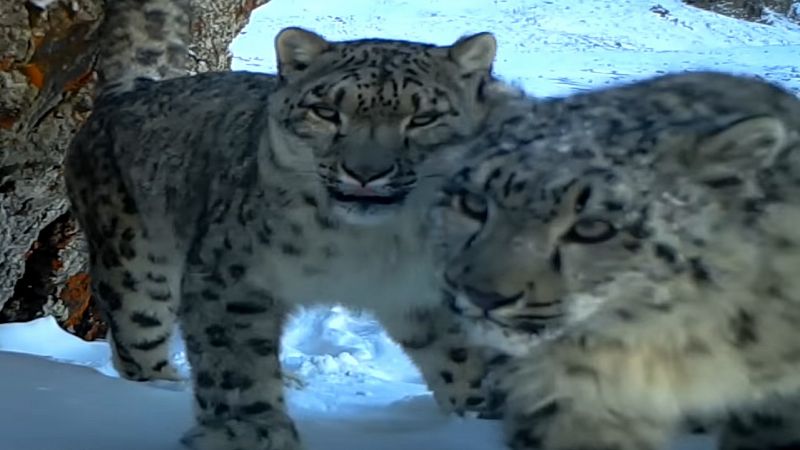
224, 200
637, 249
143, 39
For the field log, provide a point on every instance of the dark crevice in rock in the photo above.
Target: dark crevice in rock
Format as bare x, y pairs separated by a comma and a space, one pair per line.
33, 290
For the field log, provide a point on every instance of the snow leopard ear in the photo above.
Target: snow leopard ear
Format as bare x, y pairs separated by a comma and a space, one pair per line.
297, 48
738, 150
474, 53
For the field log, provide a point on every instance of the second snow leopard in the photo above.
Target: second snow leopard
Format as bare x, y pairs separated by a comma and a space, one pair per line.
653, 228
224, 200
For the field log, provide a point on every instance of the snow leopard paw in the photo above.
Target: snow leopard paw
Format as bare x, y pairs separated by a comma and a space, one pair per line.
278, 434
466, 384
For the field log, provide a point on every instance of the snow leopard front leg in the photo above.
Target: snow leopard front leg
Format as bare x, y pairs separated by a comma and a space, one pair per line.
457, 372
232, 332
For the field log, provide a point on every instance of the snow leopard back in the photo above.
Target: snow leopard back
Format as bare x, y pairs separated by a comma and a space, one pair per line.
143, 40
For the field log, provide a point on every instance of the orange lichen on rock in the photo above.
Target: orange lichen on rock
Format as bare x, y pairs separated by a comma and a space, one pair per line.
96, 331
84, 315
76, 295
7, 122
76, 83
34, 73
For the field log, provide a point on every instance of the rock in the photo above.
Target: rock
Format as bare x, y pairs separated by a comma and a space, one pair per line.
752, 10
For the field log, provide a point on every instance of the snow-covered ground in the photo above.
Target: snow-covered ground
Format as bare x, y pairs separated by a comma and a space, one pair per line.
360, 392
551, 47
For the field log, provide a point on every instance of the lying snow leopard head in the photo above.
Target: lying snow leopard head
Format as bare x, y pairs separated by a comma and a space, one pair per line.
525, 232
364, 115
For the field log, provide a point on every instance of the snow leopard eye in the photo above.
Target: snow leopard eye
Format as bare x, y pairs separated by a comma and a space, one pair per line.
422, 120
326, 113
472, 205
590, 231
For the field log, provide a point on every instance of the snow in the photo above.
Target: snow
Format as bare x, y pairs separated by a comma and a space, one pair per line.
356, 388
550, 47
60, 393
42, 4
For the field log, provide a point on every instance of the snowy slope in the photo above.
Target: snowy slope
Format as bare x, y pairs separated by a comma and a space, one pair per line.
360, 391
550, 46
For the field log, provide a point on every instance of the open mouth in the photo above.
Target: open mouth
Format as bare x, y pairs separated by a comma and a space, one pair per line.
368, 199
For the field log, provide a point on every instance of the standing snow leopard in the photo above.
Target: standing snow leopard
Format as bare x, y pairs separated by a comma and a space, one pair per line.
223, 200
650, 234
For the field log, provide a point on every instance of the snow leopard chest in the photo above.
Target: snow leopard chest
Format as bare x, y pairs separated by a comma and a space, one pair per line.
311, 259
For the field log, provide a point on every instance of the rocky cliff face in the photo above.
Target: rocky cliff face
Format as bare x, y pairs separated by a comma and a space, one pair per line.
47, 55
753, 10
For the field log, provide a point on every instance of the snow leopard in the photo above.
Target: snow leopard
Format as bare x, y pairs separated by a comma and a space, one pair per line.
222, 201
637, 250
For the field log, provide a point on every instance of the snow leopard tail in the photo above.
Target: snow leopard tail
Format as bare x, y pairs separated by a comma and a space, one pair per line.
142, 39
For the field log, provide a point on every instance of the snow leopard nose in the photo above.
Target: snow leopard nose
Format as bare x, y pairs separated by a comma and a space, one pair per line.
488, 301
365, 174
